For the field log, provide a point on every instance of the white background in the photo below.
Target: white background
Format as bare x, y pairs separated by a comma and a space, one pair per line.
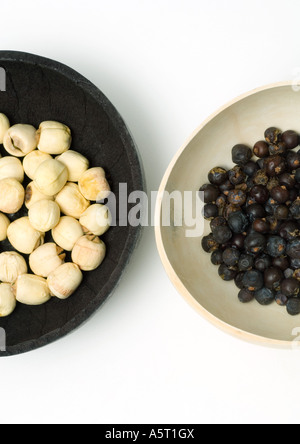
146, 356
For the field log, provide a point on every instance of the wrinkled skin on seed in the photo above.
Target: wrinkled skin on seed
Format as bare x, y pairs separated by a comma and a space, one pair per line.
7, 300
4, 126
31, 290
12, 265
33, 195
88, 252
12, 196
64, 280
20, 140
93, 184
54, 137
45, 259
50, 177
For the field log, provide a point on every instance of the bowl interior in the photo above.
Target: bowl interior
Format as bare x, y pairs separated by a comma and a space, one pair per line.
190, 269
39, 89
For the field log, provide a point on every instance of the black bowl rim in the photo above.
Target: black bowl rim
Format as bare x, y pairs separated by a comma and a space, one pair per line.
139, 183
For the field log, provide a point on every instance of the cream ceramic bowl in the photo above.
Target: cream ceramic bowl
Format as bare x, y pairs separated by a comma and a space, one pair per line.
242, 121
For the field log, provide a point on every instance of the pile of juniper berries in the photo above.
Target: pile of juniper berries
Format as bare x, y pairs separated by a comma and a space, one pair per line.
254, 214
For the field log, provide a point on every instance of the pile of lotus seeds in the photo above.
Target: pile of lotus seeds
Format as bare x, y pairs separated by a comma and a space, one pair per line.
60, 199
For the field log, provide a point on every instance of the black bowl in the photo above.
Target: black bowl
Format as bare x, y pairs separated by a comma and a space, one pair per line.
39, 89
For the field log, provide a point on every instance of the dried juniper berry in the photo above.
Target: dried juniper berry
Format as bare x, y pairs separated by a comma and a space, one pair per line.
280, 193
295, 209
265, 296
271, 206
226, 273
275, 165
273, 135
289, 230
241, 154
253, 280
238, 222
260, 194
218, 222
287, 180
293, 306
245, 296
281, 299
294, 263
231, 257
293, 160
210, 211
256, 211
242, 187
288, 273
294, 193
230, 209
291, 139
222, 234
250, 231
249, 183
209, 244
226, 186
238, 280
261, 149
296, 274
260, 178
246, 262
273, 277
217, 176
210, 192
237, 197
281, 212
281, 262
261, 162
293, 249
290, 287
250, 201
221, 203
261, 226
278, 148
217, 257
276, 246
274, 222
238, 241
250, 168
236, 176
273, 182
297, 175
255, 243
263, 262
